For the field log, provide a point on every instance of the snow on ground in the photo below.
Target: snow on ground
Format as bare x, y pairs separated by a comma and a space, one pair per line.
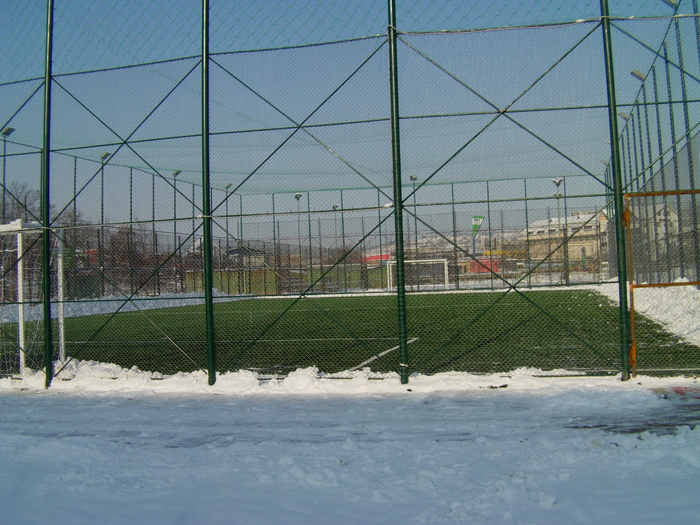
115, 446
453, 449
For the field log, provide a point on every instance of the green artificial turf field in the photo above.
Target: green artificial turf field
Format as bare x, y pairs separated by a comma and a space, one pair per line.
575, 330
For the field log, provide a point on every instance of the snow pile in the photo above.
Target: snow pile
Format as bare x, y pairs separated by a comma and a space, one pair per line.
90, 376
677, 308
9, 313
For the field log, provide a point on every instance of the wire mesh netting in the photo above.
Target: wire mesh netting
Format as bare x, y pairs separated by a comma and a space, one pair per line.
259, 192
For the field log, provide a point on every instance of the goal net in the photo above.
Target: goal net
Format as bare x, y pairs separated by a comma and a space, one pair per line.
21, 298
420, 274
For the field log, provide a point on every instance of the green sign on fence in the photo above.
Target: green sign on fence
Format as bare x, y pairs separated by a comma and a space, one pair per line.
477, 221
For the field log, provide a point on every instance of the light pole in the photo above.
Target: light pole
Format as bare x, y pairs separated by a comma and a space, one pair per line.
416, 275
310, 262
343, 245
415, 217
240, 219
175, 246
558, 194
335, 240
226, 204
335, 229
297, 196
103, 159
5, 133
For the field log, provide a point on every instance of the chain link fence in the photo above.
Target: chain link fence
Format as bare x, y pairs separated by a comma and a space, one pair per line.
210, 188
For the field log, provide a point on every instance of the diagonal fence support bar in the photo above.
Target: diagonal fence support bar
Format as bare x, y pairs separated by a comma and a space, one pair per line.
618, 202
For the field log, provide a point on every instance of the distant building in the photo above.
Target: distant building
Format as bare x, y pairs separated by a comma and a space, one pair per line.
587, 233
655, 240
659, 222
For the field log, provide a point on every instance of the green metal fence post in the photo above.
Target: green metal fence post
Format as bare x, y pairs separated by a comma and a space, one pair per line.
45, 199
618, 202
398, 195
206, 201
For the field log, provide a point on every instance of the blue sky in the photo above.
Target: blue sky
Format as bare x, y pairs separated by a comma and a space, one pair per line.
95, 35
498, 65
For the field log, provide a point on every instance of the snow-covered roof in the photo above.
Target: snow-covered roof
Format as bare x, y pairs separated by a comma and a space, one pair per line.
571, 221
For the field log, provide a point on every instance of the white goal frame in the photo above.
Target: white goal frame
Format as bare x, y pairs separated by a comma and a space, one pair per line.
19, 228
392, 262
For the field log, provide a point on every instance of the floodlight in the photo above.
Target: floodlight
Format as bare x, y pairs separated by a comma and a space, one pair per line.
7, 132
638, 75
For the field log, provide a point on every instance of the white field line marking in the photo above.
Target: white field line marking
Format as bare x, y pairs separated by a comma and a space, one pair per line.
374, 358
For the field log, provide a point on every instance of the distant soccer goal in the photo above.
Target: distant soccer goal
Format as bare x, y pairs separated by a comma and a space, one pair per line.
425, 274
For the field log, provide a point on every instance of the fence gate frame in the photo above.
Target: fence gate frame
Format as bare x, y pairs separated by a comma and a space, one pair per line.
632, 282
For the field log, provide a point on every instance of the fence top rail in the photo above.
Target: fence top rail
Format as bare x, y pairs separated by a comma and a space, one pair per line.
663, 285
660, 193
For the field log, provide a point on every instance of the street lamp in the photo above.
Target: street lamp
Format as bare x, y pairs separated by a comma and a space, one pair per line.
226, 204
175, 174
559, 195
638, 75
335, 240
415, 230
335, 229
297, 196
103, 159
5, 133
175, 246
415, 216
